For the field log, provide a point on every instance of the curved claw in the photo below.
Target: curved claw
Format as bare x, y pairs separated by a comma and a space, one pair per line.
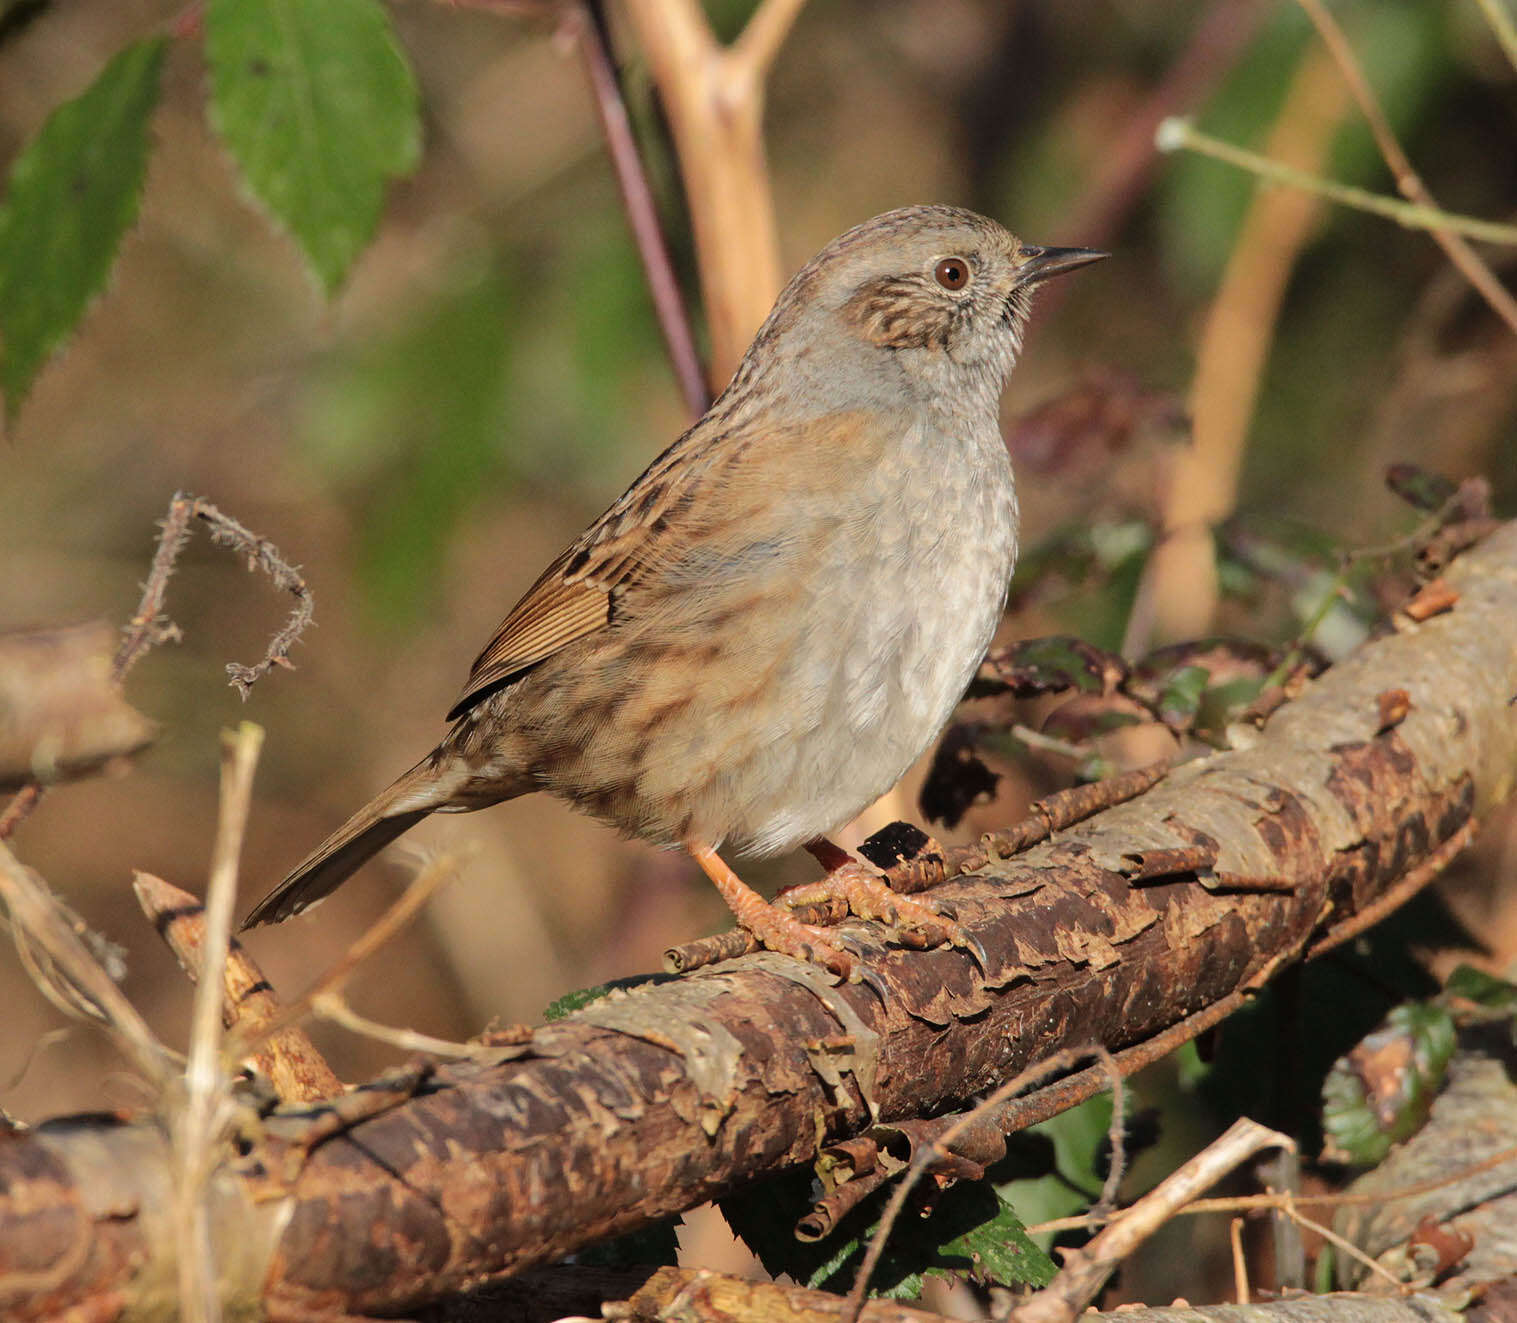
971, 945
871, 978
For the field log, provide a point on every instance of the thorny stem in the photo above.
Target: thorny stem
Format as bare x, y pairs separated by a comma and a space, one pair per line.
149, 627
1175, 134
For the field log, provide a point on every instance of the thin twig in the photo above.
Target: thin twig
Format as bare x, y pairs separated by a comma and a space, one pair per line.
1408, 180
1116, 1133
72, 978
1398, 895
584, 24
1501, 24
763, 35
1040, 1105
1240, 1263
261, 554
1086, 1270
149, 626
441, 869
1278, 1201
21, 805
1347, 1246
938, 1151
1175, 134
334, 1007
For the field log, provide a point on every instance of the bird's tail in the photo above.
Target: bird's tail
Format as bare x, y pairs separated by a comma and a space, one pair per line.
423, 790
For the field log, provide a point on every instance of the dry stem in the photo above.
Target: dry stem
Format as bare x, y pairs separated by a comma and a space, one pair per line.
1469, 262
321, 996
1086, 1271
208, 1106
714, 98
71, 978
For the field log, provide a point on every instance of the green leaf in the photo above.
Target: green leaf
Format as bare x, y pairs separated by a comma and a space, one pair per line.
71, 196
1077, 1137
1380, 1093
579, 999
1180, 698
651, 1246
971, 1231
574, 1001
316, 103
1420, 488
1496, 996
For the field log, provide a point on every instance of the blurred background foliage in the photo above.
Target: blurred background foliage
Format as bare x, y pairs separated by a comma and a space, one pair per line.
491, 376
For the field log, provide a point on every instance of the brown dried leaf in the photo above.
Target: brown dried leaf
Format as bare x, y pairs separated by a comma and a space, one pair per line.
61, 714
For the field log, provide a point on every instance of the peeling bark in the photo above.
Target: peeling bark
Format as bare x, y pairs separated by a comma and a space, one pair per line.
651, 1101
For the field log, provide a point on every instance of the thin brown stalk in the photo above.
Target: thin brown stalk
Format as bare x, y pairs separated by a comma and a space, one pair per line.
583, 23
1240, 1262
334, 1007
1347, 1246
1408, 181
1502, 26
68, 974
1085, 1271
1278, 1201
938, 1151
1397, 896
442, 869
149, 626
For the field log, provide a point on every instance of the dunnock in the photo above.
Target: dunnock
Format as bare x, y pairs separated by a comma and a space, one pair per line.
772, 623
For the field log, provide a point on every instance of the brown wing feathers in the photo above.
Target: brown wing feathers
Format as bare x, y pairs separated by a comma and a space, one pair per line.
574, 595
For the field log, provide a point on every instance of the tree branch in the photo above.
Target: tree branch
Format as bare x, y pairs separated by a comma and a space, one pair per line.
650, 1101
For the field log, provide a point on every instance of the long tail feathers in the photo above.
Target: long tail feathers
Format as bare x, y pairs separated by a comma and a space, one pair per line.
411, 798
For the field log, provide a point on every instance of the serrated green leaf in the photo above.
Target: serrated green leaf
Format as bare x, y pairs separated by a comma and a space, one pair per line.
582, 997
570, 1002
71, 196
1180, 698
1471, 984
650, 1246
318, 106
971, 1231
1077, 1137
1380, 1093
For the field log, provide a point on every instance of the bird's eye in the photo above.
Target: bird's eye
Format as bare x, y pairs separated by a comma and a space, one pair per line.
951, 273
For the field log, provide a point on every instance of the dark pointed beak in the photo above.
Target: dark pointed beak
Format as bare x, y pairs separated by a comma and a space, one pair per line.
1039, 263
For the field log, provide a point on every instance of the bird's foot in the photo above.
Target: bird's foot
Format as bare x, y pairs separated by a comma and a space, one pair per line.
868, 896
775, 929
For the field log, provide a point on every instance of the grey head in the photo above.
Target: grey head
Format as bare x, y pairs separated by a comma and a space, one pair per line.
928, 297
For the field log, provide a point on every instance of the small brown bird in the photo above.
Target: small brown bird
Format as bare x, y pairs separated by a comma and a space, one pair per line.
768, 628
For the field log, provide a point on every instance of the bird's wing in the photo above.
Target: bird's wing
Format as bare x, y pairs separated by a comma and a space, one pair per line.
575, 595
